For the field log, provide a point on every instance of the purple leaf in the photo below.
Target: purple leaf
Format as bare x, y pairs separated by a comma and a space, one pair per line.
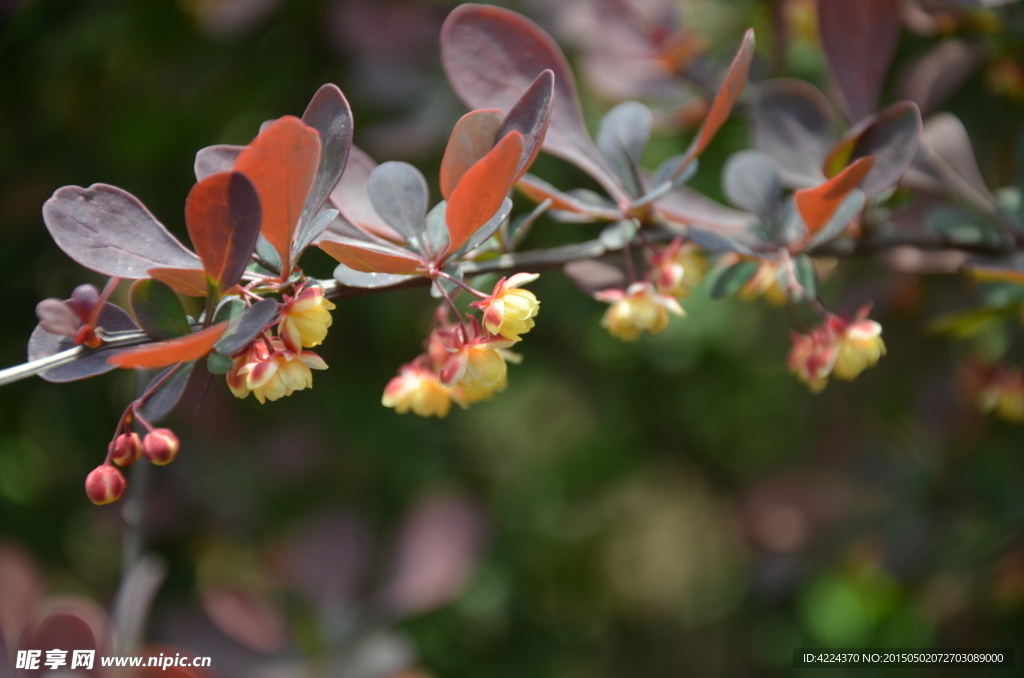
351, 196
751, 180
399, 194
530, 116
948, 148
56, 317
166, 398
891, 136
593, 276
350, 277
437, 550
686, 206
491, 55
214, 159
246, 326
108, 230
931, 80
859, 39
793, 123
329, 114
622, 138
42, 344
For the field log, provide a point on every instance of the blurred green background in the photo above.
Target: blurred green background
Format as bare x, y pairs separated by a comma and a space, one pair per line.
676, 507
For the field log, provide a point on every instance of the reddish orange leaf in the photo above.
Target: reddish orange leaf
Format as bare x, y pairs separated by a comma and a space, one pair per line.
727, 95
817, 205
222, 213
482, 189
369, 257
281, 163
188, 281
170, 352
471, 139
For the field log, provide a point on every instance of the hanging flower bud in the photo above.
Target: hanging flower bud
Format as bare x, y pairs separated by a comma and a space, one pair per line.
160, 446
305, 319
272, 372
417, 388
105, 485
509, 311
860, 344
812, 357
640, 308
677, 269
126, 449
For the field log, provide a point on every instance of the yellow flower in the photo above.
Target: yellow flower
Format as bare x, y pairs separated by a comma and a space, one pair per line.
509, 311
765, 282
272, 374
678, 269
470, 391
637, 309
860, 346
305, 319
812, 358
418, 389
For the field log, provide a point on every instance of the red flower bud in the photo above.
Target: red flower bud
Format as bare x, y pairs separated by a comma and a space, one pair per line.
126, 449
160, 446
105, 485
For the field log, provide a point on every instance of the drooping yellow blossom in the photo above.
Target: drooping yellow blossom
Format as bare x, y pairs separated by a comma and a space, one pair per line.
838, 347
305, 319
272, 372
640, 308
678, 269
765, 282
418, 389
509, 311
860, 346
812, 358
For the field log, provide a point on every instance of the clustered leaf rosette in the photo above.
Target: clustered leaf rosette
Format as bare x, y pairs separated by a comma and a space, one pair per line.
837, 347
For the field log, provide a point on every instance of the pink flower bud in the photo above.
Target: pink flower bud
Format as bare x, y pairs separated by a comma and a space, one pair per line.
160, 446
105, 485
126, 449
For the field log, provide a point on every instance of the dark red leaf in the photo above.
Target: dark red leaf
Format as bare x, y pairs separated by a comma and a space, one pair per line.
222, 213
370, 257
530, 116
329, 114
471, 139
482, 190
164, 353
859, 39
282, 164
728, 93
108, 230
686, 206
166, 398
492, 55
817, 205
593, 276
